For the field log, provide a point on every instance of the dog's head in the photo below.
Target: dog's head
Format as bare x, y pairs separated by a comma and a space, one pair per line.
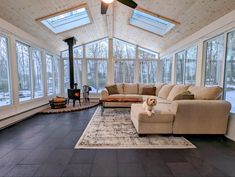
151, 101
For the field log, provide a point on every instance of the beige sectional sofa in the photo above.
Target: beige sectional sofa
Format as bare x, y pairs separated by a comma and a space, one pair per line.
205, 114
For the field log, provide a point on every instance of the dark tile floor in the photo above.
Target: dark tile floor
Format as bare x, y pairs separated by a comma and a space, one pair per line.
43, 146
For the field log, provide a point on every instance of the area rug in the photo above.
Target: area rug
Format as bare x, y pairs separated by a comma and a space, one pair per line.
70, 108
114, 130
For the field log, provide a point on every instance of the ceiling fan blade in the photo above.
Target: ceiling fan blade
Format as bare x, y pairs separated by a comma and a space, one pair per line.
129, 3
104, 7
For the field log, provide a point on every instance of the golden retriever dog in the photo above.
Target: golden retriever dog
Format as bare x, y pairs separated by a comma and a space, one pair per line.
149, 104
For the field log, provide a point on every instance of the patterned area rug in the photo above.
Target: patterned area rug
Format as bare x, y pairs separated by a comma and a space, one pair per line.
114, 130
70, 108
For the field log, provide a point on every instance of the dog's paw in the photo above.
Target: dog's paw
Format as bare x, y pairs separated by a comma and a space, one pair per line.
149, 113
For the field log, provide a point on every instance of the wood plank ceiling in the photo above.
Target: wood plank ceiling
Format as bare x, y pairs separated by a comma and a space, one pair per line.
192, 14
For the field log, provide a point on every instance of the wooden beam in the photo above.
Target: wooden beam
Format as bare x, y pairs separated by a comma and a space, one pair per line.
157, 15
62, 12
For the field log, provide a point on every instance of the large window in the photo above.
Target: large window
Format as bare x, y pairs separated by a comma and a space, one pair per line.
24, 73
96, 56
56, 72
66, 75
186, 66
5, 93
180, 61
49, 64
148, 66
166, 69
91, 64
230, 70
190, 66
37, 73
125, 55
214, 60
78, 57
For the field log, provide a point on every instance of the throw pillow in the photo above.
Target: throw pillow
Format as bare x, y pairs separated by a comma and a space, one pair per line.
149, 91
187, 95
112, 89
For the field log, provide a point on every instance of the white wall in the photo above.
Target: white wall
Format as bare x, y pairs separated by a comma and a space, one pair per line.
221, 25
13, 33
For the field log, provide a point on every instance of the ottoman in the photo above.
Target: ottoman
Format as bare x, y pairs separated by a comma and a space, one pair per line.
158, 123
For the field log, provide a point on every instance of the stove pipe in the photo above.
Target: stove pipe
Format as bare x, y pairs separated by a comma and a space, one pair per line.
71, 42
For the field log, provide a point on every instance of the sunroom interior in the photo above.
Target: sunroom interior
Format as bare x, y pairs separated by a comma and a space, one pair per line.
181, 42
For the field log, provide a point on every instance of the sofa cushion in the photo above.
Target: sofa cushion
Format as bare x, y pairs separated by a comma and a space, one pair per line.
125, 96
141, 86
112, 89
206, 93
130, 88
165, 90
158, 87
176, 90
186, 95
149, 91
120, 88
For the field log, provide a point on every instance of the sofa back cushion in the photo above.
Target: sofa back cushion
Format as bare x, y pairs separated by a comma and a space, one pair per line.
165, 90
176, 90
149, 91
206, 93
120, 88
112, 89
141, 86
186, 95
131, 89
158, 87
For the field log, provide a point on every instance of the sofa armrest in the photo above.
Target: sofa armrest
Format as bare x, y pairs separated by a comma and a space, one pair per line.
104, 93
200, 116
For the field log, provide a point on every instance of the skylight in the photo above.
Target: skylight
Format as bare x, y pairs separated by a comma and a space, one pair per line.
67, 21
151, 23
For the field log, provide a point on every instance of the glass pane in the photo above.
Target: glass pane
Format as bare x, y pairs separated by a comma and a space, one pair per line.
180, 67
118, 72
98, 49
5, 94
214, 57
49, 74
66, 75
129, 71
102, 75
123, 50
57, 75
150, 23
147, 54
78, 52
78, 72
148, 72
190, 66
91, 75
230, 71
166, 70
67, 21
38, 73
22, 53
65, 54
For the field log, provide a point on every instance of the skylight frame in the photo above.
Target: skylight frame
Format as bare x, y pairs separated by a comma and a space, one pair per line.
70, 25
150, 16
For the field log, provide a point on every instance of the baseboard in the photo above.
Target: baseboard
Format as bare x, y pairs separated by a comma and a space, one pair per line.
6, 122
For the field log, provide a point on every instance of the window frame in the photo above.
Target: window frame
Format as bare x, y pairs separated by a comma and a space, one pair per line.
221, 84
9, 62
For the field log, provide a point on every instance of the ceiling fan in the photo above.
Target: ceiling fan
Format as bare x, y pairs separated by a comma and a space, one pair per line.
105, 4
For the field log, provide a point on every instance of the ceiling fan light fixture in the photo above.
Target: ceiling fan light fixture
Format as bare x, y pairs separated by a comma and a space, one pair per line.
108, 1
